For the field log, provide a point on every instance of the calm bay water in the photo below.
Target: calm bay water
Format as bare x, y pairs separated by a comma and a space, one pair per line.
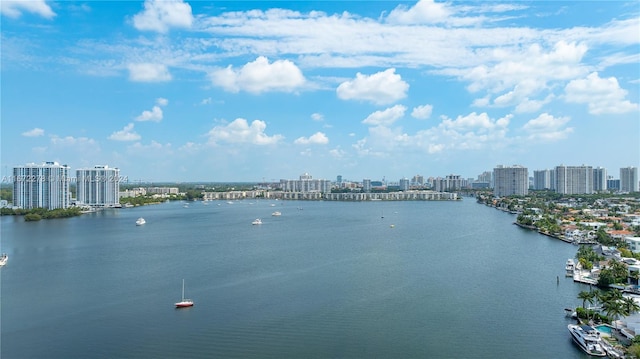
324, 280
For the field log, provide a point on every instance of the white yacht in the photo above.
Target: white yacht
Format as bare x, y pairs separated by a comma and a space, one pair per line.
257, 221
3, 259
276, 213
570, 267
588, 339
140, 221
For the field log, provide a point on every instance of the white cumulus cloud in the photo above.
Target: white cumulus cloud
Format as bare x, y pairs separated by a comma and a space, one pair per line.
380, 88
260, 76
548, 128
385, 117
161, 15
422, 112
239, 131
34, 132
603, 95
317, 138
126, 134
148, 72
155, 114
14, 9
424, 11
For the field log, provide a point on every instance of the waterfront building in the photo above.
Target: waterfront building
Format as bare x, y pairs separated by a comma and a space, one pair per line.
510, 181
306, 183
599, 179
634, 243
574, 179
163, 190
417, 180
133, 192
450, 183
411, 195
629, 179
98, 186
542, 179
41, 186
404, 184
366, 185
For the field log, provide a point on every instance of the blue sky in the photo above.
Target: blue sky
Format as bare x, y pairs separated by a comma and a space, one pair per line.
268, 90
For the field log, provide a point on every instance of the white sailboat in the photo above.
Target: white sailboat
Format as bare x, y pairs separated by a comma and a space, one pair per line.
184, 302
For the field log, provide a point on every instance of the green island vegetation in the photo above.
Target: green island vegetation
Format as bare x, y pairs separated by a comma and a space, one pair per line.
37, 214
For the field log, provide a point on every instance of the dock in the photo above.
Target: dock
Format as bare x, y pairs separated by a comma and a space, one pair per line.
581, 276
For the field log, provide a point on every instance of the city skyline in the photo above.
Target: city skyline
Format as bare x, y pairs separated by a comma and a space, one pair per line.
259, 91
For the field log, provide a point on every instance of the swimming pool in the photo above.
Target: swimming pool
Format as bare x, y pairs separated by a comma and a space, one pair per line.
604, 329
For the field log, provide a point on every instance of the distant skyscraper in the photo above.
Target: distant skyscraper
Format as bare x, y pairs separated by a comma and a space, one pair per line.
542, 179
404, 184
574, 179
599, 179
629, 179
41, 186
98, 186
510, 181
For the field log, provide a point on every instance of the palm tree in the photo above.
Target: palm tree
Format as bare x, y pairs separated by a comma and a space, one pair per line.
630, 305
586, 297
613, 309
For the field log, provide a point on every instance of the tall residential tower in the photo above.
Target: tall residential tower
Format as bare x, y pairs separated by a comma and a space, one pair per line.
629, 179
574, 179
510, 181
41, 186
98, 186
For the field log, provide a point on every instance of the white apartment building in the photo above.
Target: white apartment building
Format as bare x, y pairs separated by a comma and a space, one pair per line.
305, 184
404, 184
98, 186
629, 179
41, 186
510, 181
542, 179
574, 179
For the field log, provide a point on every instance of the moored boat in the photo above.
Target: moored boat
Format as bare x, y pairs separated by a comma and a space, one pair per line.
570, 267
3, 259
588, 339
276, 213
184, 302
140, 221
257, 221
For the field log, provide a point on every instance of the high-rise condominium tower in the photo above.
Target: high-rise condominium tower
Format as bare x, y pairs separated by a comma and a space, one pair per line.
41, 186
629, 179
574, 179
509, 181
98, 186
